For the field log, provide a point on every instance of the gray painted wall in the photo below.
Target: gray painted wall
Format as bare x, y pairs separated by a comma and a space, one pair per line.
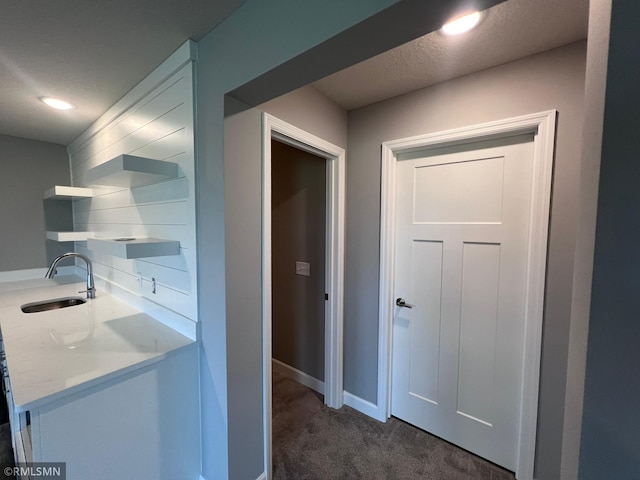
552, 80
595, 84
611, 420
298, 183
27, 169
310, 110
243, 244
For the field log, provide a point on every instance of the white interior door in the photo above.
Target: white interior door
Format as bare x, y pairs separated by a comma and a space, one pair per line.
462, 217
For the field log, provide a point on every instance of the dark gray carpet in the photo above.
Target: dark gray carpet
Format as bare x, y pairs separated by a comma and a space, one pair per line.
6, 452
311, 441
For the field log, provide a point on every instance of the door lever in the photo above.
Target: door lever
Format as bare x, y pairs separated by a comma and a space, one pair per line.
401, 303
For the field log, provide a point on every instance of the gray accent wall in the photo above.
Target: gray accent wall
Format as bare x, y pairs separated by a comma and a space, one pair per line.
27, 169
551, 80
298, 192
611, 421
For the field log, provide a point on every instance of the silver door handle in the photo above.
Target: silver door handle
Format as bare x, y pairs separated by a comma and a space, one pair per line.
401, 303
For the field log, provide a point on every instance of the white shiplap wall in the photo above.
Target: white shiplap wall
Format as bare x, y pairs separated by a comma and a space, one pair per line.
158, 124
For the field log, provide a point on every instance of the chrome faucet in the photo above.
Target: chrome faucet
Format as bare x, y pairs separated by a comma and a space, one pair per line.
91, 289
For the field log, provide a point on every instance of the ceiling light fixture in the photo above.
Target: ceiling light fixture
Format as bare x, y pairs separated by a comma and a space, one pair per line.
462, 24
57, 103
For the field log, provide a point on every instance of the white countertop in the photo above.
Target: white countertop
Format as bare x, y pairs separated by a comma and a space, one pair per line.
58, 352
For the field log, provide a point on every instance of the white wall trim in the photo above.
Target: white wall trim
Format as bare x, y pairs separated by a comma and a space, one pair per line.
543, 126
263, 476
363, 406
186, 53
33, 273
298, 375
334, 273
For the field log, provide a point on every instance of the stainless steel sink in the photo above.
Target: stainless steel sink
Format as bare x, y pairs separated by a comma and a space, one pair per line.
52, 304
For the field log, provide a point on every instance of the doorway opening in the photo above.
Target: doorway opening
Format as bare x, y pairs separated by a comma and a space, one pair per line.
323, 275
298, 217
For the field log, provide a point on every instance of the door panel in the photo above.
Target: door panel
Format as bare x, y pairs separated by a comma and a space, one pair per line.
449, 192
425, 334
462, 218
478, 322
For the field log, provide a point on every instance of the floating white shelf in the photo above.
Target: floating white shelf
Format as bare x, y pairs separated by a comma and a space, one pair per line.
129, 171
69, 236
129, 247
60, 192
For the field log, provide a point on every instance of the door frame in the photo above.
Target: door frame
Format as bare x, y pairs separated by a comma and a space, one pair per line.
274, 128
542, 125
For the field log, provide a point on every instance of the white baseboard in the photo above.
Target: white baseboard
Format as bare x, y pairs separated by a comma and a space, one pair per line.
363, 406
300, 377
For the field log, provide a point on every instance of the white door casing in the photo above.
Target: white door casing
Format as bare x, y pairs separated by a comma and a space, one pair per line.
462, 216
542, 126
274, 128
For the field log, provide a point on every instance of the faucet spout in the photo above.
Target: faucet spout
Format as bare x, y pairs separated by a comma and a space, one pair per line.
91, 289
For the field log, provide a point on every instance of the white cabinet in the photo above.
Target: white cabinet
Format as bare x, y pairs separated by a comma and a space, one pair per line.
19, 421
144, 424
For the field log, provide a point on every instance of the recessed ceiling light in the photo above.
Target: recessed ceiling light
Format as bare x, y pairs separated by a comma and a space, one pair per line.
57, 103
462, 24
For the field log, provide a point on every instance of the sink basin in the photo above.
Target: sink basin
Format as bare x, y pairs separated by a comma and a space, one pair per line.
52, 304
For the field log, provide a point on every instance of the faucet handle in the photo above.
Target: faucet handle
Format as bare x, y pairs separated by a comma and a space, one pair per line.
91, 292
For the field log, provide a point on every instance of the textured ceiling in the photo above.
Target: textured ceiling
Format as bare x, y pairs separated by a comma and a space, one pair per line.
510, 30
89, 52
92, 52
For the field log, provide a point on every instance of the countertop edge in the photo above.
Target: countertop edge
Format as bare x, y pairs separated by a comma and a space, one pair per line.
94, 382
